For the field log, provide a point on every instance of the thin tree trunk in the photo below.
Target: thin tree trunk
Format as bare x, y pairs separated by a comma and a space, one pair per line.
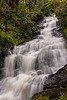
35, 2
2, 3
6, 16
30, 5
25, 1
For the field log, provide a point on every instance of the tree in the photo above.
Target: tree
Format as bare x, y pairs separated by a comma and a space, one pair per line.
35, 2
6, 16
12, 4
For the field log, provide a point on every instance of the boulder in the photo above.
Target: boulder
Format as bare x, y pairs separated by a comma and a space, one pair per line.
58, 79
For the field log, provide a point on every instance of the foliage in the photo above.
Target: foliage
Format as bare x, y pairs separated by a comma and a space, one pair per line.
51, 94
62, 97
21, 20
62, 15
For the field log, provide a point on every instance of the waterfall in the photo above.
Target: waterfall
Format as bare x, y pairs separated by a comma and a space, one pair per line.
28, 66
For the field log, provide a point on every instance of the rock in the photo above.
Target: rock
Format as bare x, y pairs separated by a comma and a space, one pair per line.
57, 31
52, 94
39, 72
54, 87
2, 57
58, 79
1, 66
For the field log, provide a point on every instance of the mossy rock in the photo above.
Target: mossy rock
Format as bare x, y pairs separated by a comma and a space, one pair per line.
52, 94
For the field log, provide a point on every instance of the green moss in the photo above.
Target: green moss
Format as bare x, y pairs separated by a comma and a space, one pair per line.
52, 94
65, 33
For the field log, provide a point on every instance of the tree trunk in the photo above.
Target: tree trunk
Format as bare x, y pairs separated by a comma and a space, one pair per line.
6, 16
30, 5
35, 2
2, 3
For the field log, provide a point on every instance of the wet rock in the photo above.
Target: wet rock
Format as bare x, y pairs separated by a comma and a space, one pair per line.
2, 58
57, 31
55, 86
39, 72
58, 79
1, 66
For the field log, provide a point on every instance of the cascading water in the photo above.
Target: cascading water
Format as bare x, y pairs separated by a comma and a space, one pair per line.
28, 66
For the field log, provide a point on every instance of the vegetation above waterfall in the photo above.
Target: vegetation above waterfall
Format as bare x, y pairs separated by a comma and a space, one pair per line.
18, 19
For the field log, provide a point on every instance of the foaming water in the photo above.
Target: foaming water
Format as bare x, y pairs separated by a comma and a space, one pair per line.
28, 66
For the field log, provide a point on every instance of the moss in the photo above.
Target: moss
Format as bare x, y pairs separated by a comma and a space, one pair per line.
52, 94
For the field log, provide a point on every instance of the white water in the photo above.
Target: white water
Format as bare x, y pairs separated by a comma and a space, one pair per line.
28, 66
